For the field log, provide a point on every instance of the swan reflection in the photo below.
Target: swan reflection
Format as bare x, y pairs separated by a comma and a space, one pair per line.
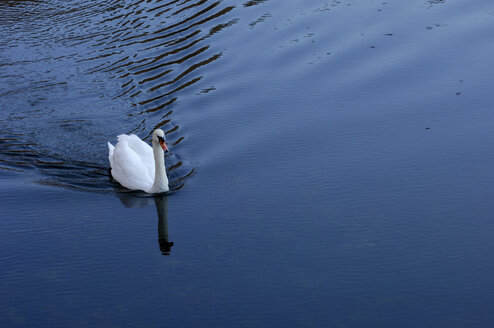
161, 203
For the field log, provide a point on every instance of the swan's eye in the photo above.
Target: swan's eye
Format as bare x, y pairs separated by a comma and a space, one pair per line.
161, 139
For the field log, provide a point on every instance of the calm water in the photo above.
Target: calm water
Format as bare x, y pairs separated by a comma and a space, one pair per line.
331, 161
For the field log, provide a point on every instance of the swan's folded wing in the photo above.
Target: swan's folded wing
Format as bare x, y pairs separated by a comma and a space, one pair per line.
141, 149
130, 169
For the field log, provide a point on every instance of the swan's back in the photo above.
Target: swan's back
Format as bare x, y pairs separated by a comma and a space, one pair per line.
132, 162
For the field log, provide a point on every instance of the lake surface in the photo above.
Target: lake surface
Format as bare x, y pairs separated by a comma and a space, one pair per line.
331, 163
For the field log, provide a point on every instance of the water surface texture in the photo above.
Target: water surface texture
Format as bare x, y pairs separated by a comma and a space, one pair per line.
331, 163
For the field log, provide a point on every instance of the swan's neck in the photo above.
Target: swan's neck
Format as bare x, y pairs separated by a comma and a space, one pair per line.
160, 179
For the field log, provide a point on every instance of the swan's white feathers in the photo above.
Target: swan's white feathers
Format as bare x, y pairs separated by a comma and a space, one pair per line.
141, 149
132, 163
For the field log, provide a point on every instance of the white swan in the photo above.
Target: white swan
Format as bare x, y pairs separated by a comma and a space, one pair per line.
137, 166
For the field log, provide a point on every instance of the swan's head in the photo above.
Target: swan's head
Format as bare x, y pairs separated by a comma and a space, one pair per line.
159, 138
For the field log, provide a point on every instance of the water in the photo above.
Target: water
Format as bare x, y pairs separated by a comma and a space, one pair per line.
331, 161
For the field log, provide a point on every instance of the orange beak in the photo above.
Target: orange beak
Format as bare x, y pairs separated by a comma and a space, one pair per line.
163, 145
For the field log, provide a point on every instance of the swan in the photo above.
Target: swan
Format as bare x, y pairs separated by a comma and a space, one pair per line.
137, 166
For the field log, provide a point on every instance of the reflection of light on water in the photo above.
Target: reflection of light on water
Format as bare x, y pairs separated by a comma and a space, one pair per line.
161, 203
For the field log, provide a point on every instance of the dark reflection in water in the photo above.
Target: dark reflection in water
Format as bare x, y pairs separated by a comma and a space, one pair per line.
137, 199
161, 203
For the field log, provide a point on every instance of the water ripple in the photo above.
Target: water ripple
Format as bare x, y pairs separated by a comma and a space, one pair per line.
134, 60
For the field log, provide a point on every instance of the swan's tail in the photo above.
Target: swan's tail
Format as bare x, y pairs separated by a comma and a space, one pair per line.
110, 153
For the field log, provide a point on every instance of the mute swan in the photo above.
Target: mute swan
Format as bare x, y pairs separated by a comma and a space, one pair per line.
137, 166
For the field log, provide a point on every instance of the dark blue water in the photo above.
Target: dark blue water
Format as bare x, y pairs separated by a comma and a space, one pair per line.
331, 162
